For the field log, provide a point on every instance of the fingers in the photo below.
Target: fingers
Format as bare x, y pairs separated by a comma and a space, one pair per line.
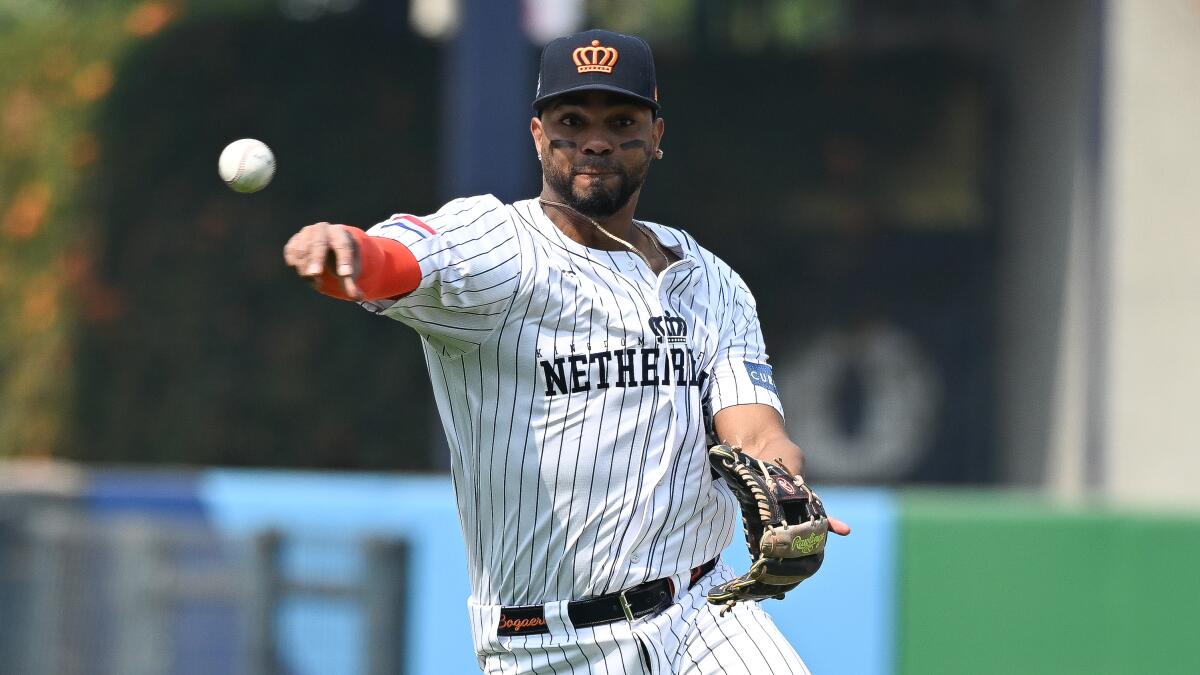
295, 251
305, 251
324, 247
318, 247
838, 527
345, 259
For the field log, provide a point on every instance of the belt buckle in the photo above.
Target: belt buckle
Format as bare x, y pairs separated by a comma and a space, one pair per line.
624, 603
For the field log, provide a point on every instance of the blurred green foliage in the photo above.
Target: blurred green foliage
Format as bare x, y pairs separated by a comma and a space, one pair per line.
146, 315
58, 67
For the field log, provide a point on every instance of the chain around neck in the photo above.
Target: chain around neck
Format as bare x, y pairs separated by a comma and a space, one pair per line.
610, 235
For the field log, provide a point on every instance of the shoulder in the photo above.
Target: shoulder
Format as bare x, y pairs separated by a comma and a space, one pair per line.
684, 243
484, 211
466, 214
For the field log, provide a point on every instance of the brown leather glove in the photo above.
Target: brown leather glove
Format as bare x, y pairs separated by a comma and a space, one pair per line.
785, 524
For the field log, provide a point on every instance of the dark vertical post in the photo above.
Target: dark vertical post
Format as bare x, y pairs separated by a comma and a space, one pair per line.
383, 594
14, 601
264, 603
491, 75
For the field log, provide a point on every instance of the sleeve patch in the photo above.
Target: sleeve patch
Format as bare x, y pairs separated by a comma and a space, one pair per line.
411, 223
761, 375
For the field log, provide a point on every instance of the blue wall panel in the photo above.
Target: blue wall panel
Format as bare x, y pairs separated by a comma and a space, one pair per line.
326, 513
154, 493
840, 621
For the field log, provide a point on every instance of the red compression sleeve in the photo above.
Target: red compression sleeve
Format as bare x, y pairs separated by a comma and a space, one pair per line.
387, 269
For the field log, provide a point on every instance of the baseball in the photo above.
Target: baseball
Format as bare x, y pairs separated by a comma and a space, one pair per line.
246, 165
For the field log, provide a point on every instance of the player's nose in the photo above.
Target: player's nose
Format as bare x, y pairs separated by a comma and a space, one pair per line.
597, 144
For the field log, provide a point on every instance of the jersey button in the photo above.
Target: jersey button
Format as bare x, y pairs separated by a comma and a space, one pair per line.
635, 557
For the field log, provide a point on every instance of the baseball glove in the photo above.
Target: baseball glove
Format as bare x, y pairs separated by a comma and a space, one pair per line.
785, 526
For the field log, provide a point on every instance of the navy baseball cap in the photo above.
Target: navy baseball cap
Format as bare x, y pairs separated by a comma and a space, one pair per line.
597, 60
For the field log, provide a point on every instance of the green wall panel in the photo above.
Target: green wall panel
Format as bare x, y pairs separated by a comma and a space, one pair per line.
1006, 584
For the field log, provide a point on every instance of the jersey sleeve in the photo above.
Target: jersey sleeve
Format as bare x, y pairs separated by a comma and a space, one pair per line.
470, 263
741, 373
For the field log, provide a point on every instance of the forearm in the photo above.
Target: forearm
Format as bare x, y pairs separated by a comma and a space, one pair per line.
759, 431
386, 269
777, 448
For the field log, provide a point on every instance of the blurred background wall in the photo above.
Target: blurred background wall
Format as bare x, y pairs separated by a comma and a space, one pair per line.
1151, 205
968, 225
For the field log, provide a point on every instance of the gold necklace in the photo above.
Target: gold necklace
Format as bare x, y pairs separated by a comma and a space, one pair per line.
654, 241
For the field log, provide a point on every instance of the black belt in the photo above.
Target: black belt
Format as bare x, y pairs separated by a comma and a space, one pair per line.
644, 599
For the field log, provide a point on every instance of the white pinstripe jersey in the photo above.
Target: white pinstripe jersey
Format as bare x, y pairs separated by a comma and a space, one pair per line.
576, 389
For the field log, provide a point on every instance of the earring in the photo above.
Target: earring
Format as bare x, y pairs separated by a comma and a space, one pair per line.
539, 156
658, 154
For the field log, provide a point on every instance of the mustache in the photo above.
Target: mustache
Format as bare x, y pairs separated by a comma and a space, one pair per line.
596, 163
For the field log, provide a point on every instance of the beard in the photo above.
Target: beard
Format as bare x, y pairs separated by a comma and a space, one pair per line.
595, 200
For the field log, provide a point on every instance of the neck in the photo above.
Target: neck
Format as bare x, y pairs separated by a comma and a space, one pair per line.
576, 226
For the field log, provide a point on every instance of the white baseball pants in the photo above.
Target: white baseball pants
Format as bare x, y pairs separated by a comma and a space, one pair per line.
689, 637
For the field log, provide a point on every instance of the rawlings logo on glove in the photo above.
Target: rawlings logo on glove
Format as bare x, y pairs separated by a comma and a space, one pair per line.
785, 522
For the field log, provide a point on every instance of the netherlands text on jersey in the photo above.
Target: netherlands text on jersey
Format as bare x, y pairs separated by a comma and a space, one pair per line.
628, 367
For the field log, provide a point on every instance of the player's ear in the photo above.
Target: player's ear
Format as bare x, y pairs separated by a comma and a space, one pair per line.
657, 133
538, 132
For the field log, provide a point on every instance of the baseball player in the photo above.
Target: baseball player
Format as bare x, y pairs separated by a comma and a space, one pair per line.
583, 362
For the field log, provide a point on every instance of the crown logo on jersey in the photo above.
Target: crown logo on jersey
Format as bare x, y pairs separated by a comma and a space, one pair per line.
668, 328
595, 59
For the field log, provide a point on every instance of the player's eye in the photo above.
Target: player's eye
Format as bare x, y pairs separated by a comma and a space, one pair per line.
624, 122
569, 121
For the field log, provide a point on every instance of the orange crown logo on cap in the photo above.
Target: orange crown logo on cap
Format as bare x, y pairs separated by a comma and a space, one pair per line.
595, 59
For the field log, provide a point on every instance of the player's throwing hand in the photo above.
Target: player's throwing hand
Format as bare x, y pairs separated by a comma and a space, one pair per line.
325, 248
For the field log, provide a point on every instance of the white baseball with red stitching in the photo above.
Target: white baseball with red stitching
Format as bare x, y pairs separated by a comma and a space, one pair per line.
247, 165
